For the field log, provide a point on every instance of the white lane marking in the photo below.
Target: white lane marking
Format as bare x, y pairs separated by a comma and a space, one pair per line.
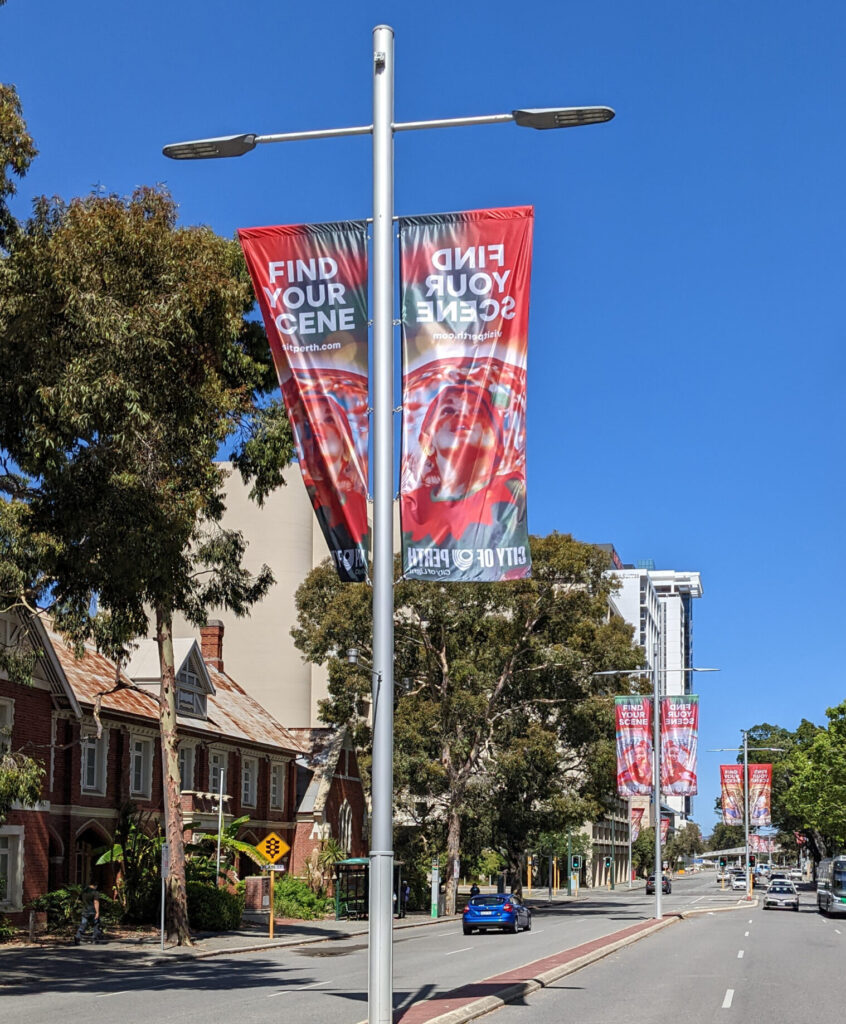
537, 931
745, 934
749, 921
740, 954
838, 931
106, 995
296, 988
464, 950
728, 998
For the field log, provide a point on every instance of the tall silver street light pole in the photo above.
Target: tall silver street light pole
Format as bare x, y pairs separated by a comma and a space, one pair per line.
656, 762
746, 748
380, 997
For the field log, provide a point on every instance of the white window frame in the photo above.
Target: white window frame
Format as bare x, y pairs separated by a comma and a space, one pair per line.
12, 899
345, 826
101, 760
7, 723
278, 779
187, 766
190, 694
249, 785
146, 754
223, 766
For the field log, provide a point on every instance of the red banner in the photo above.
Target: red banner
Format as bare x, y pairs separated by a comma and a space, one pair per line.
637, 822
465, 306
311, 285
679, 739
633, 716
731, 787
760, 790
665, 829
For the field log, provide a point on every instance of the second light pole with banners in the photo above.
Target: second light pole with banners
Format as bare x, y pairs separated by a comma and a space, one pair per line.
382, 129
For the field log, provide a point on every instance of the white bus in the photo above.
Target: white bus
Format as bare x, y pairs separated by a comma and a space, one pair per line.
831, 886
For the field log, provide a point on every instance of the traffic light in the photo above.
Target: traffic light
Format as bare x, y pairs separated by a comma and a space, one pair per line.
722, 862
608, 862
577, 863
751, 860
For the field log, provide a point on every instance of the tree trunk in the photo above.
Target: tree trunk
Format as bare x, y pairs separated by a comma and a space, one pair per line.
177, 894
515, 871
453, 852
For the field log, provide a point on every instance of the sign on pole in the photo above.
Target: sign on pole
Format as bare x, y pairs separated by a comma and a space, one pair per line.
274, 848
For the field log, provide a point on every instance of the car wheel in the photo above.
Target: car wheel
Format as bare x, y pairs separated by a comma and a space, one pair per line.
468, 931
514, 928
796, 908
529, 923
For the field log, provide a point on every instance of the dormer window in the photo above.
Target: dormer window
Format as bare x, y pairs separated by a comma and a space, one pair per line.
190, 694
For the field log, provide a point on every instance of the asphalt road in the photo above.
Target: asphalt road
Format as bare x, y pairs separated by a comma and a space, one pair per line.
750, 965
327, 982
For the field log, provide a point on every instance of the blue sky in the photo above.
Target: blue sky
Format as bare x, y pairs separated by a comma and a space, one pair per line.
686, 341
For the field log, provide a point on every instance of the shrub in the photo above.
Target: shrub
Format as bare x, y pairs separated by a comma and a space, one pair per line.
64, 909
213, 910
293, 898
7, 929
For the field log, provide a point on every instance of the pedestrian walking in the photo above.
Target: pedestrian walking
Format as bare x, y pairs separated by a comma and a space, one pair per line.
474, 889
406, 896
90, 916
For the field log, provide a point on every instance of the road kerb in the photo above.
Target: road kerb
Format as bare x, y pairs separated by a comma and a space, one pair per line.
509, 993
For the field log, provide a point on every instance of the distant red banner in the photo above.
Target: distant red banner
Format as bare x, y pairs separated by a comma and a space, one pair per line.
731, 789
760, 792
633, 717
665, 828
679, 739
311, 285
465, 316
637, 822
761, 844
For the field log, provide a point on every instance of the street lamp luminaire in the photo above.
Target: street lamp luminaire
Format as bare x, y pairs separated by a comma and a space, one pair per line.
656, 763
380, 968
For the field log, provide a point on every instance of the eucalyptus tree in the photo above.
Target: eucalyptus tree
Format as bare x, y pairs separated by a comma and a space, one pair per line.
125, 364
487, 674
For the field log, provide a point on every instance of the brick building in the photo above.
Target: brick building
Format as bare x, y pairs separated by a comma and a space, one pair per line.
92, 773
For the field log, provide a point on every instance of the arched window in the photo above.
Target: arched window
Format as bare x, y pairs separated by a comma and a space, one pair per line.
345, 826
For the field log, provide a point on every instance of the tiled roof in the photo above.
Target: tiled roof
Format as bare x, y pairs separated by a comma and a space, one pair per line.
233, 714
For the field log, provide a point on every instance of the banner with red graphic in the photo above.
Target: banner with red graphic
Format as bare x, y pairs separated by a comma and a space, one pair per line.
633, 718
800, 839
679, 739
665, 828
761, 844
465, 317
637, 822
731, 788
311, 284
760, 791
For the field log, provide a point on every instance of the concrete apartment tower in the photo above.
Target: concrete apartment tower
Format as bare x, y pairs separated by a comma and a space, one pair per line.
659, 604
258, 650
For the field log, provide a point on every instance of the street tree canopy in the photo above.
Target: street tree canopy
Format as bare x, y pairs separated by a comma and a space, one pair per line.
125, 363
487, 676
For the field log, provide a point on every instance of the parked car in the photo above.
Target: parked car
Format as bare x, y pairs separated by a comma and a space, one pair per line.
781, 894
738, 882
795, 875
506, 912
779, 876
666, 886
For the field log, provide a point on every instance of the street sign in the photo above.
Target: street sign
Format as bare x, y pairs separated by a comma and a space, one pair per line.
273, 847
276, 867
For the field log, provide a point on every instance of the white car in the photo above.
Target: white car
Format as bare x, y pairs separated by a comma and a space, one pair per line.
795, 875
739, 882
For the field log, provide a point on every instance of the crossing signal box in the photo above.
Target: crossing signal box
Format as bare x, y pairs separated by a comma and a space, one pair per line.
608, 862
751, 860
722, 862
577, 863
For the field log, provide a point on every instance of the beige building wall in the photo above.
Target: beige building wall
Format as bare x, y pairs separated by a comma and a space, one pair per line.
258, 651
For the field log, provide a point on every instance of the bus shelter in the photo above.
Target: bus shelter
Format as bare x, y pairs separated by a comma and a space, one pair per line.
352, 888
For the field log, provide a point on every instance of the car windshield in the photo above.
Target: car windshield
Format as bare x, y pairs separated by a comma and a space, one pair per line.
839, 880
777, 887
489, 901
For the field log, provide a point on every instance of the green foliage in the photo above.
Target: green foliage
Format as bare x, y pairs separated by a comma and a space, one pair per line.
643, 852
64, 909
726, 837
292, 897
487, 864
230, 845
213, 909
137, 853
502, 711
7, 929
21, 778
686, 844
17, 151
817, 782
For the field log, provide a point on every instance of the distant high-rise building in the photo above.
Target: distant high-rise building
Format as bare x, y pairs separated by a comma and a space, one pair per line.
659, 604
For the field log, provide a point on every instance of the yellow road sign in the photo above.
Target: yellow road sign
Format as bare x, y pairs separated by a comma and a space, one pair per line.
273, 847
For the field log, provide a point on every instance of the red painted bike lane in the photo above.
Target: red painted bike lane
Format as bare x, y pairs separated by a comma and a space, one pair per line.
501, 988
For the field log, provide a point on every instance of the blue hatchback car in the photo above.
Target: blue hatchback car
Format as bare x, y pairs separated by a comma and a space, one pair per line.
505, 912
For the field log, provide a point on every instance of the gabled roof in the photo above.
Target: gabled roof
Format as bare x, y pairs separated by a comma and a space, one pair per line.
143, 665
322, 749
233, 716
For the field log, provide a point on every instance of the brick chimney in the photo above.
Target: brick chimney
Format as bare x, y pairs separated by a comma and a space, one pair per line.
211, 643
